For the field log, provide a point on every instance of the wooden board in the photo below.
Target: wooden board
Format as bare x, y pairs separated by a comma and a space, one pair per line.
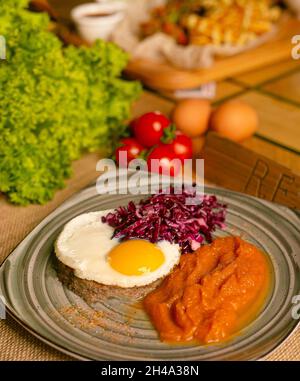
235, 167
287, 87
167, 77
279, 120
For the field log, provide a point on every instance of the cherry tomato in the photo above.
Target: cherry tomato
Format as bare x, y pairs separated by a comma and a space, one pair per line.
148, 129
169, 163
176, 32
182, 38
133, 149
169, 28
182, 146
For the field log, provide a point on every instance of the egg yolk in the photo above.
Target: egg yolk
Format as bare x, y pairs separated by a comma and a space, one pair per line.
135, 257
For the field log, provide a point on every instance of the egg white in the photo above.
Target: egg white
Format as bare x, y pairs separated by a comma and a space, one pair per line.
85, 243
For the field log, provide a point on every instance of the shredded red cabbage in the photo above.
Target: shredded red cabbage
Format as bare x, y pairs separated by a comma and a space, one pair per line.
168, 217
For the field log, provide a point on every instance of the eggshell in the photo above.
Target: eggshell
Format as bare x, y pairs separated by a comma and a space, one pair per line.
235, 120
191, 116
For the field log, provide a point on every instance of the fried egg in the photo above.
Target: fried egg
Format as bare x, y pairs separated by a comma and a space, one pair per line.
86, 245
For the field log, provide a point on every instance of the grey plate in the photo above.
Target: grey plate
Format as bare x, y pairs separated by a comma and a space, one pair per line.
119, 331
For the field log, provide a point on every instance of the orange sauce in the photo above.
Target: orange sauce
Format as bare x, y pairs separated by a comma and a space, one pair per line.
211, 294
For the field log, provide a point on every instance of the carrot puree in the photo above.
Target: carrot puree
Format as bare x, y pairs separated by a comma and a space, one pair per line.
211, 294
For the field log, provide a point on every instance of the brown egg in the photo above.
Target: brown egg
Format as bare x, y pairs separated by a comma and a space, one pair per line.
235, 120
191, 116
198, 145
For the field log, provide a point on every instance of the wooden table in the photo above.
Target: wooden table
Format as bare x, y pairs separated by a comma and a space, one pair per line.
273, 91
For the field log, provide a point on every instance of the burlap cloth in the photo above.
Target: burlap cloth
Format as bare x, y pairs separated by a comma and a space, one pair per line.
16, 223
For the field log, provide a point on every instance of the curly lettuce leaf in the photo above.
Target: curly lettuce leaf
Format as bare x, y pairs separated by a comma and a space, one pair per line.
55, 103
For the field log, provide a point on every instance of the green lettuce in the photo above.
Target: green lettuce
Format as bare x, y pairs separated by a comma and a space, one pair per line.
55, 103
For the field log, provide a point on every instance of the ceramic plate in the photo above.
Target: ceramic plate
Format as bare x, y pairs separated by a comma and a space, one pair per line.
118, 330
